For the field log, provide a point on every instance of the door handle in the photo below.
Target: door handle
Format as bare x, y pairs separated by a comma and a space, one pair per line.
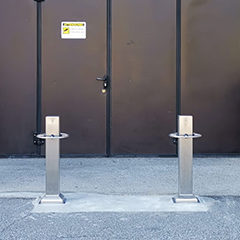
105, 82
104, 78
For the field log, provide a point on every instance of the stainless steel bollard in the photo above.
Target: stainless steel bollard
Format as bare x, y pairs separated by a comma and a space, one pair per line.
185, 155
52, 149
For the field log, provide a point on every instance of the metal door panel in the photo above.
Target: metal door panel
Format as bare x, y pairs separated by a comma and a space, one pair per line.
17, 76
143, 76
70, 68
211, 72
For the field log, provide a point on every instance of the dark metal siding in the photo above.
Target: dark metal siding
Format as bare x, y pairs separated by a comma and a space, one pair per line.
143, 98
143, 76
211, 72
17, 76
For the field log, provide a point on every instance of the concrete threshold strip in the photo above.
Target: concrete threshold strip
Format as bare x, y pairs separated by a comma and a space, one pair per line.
92, 202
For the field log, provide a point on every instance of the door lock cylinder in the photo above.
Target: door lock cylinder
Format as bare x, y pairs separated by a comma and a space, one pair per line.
105, 83
104, 89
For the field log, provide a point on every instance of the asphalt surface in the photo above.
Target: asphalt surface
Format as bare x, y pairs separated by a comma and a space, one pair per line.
22, 181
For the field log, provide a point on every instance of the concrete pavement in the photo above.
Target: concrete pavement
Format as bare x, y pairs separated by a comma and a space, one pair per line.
216, 181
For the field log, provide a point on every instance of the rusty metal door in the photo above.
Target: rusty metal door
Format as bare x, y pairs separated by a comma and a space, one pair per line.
17, 77
70, 69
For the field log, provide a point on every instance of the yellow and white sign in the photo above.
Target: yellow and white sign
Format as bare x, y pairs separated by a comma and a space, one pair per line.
73, 30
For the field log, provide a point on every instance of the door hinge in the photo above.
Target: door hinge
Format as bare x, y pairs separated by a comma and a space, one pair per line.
37, 141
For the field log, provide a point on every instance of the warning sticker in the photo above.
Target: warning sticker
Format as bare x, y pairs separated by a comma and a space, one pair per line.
73, 30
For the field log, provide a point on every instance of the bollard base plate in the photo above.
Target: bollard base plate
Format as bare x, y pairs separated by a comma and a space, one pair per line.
185, 199
54, 199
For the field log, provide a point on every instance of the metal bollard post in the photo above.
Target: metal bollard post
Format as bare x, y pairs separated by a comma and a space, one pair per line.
52, 149
185, 154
